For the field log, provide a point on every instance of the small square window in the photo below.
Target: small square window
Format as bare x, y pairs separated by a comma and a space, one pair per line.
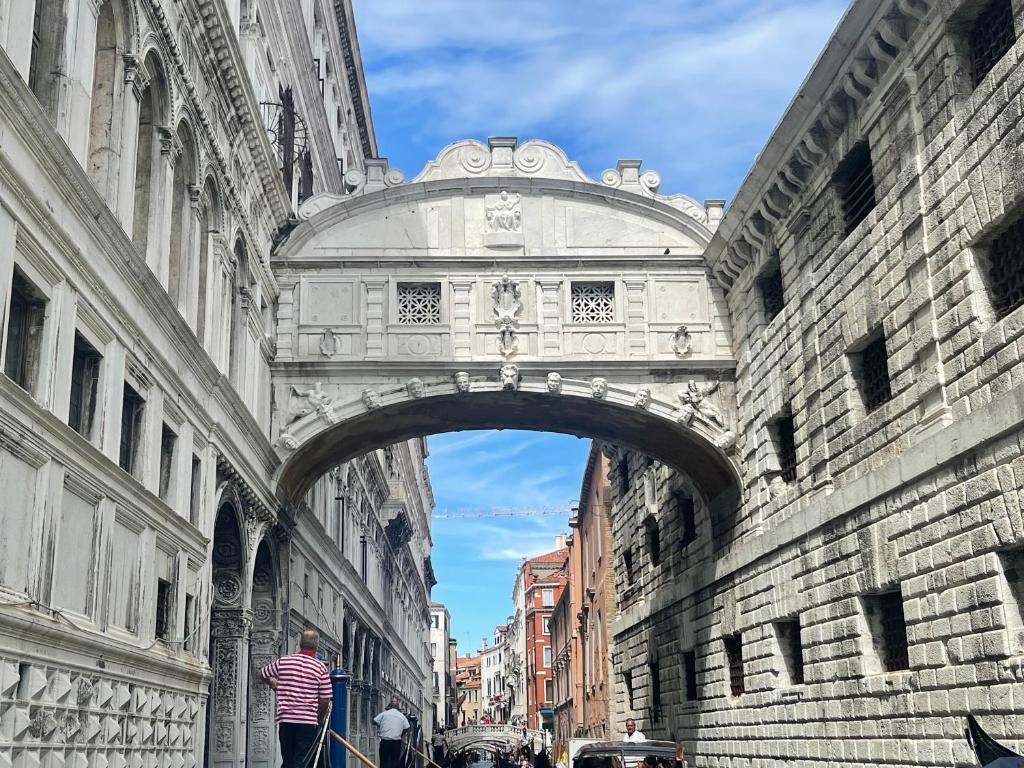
888, 628
419, 303
991, 36
855, 184
593, 302
770, 287
734, 661
788, 634
870, 367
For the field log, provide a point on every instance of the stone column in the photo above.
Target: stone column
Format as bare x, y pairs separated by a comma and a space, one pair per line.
136, 79
262, 735
158, 249
75, 99
230, 632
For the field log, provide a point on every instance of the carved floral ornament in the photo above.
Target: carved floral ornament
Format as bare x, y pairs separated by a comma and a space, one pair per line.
696, 408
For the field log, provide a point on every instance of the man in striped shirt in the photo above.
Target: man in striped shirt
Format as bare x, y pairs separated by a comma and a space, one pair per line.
303, 690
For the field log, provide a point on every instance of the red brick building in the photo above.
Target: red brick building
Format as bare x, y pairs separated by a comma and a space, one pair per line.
544, 578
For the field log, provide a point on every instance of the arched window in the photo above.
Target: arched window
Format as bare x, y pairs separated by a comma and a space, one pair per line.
210, 226
179, 267
153, 108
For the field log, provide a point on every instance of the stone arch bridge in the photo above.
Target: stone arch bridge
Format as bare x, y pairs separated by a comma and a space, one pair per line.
491, 737
503, 288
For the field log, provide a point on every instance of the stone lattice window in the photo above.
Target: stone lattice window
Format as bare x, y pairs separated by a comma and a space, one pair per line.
772, 296
690, 675
593, 302
991, 36
734, 659
419, 303
871, 370
855, 185
785, 446
1005, 262
788, 634
888, 628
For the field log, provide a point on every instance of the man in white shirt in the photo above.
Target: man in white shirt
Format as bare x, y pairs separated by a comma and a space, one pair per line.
391, 724
632, 734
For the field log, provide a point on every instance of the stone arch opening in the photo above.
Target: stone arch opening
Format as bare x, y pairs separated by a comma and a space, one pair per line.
180, 267
154, 112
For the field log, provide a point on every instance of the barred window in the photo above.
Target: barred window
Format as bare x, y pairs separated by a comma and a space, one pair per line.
888, 629
783, 433
871, 371
593, 302
991, 36
1005, 267
855, 185
772, 296
734, 658
419, 303
690, 674
788, 634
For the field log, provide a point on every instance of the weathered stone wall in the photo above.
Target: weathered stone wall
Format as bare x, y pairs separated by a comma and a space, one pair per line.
919, 496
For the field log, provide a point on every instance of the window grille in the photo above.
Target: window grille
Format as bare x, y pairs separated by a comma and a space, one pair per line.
85, 367
1006, 269
419, 303
593, 302
734, 657
132, 408
772, 296
653, 540
855, 185
785, 444
788, 633
889, 629
991, 36
687, 517
873, 374
690, 674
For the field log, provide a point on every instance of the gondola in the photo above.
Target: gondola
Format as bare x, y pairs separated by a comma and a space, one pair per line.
989, 751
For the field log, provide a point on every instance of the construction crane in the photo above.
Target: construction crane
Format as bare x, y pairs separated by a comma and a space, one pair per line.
459, 514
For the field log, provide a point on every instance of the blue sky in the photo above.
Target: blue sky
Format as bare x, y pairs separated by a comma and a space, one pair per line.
691, 87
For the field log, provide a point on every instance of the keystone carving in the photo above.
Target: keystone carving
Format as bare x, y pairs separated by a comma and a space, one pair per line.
509, 376
462, 381
555, 383
599, 387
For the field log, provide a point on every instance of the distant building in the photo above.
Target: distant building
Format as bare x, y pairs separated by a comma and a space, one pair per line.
492, 677
452, 699
440, 634
515, 654
544, 578
467, 683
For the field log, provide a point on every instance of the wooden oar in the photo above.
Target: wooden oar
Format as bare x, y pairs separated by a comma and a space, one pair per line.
424, 757
347, 745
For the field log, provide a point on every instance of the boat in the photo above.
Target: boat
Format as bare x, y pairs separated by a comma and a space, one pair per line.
989, 751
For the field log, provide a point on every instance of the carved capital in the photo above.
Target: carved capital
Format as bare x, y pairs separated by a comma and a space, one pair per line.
170, 146
135, 74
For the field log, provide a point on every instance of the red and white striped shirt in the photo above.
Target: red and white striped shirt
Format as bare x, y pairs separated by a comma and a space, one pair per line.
302, 680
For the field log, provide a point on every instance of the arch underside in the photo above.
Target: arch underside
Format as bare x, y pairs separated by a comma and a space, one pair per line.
628, 427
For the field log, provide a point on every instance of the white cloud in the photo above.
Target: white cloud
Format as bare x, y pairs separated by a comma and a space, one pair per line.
690, 86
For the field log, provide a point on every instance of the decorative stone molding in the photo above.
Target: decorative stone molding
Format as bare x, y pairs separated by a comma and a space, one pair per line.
508, 305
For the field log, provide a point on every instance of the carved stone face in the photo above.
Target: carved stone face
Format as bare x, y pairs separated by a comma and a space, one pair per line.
415, 387
599, 387
554, 382
462, 381
371, 399
642, 398
509, 376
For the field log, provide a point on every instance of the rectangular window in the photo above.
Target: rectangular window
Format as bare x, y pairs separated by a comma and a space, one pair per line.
547, 656
870, 368
654, 671
1013, 571
364, 559
627, 679
770, 287
190, 622
1003, 263
195, 490
653, 536
884, 613
788, 635
549, 695
545, 626
25, 317
991, 36
687, 518
85, 375
690, 675
734, 661
168, 442
419, 303
547, 597
627, 564
593, 302
164, 609
623, 472
132, 409
782, 434
855, 185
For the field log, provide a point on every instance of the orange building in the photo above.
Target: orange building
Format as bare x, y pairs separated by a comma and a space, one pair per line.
467, 687
544, 578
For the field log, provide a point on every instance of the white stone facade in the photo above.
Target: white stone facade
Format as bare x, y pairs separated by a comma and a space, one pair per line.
441, 681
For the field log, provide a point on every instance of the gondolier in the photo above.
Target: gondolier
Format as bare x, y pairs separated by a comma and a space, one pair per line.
303, 689
391, 724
